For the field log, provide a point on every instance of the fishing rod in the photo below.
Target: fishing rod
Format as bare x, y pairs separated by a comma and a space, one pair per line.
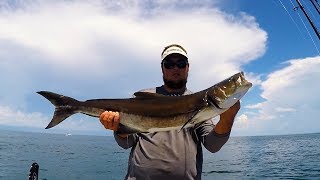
314, 5
317, 3
309, 19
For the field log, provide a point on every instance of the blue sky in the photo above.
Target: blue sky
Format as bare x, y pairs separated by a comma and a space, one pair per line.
110, 49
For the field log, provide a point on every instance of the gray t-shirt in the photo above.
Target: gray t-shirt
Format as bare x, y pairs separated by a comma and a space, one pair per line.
175, 154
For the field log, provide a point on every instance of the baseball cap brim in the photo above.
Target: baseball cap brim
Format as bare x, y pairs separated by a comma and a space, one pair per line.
173, 50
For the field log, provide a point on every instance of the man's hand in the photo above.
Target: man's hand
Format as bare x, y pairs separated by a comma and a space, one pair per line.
110, 120
226, 119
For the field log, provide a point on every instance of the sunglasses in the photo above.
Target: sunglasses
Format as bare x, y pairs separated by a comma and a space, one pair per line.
170, 65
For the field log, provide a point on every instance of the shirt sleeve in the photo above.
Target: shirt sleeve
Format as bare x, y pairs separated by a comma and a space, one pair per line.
209, 138
126, 142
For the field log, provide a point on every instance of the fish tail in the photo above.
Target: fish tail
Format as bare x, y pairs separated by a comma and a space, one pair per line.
64, 107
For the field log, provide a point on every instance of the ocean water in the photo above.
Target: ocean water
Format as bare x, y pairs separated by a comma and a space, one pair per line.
99, 157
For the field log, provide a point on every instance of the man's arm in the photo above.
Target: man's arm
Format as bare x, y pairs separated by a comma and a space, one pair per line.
110, 120
214, 137
126, 141
226, 119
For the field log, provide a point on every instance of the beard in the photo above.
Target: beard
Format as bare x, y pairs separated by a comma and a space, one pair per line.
175, 84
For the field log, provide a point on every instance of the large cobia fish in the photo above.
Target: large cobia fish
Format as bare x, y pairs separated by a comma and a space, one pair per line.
150, 112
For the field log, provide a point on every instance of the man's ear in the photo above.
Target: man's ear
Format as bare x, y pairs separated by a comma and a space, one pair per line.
161, 67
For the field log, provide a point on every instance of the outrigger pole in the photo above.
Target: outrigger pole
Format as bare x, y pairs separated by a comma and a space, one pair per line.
315, 6
309, 19
317, 3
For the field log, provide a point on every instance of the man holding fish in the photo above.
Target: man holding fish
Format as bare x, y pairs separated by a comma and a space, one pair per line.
176, 153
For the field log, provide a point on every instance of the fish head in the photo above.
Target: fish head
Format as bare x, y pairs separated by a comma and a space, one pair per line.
227, 92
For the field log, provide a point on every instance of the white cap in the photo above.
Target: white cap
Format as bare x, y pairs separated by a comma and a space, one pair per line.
172, 50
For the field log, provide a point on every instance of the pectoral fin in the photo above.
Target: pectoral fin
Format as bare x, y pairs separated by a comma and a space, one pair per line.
190, 120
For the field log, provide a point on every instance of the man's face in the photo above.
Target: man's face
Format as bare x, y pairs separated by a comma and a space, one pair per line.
175, 70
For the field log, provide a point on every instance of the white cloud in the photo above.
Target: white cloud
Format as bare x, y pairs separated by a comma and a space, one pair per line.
255, 79
241, 121
85, 33
254, 106
13, 117
102, 46
291, 102
28, 121
282, 109
294, 85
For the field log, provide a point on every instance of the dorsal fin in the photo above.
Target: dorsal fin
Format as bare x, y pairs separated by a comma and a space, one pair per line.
147, 95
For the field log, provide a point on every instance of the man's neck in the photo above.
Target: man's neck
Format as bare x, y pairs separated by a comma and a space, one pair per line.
170, 90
